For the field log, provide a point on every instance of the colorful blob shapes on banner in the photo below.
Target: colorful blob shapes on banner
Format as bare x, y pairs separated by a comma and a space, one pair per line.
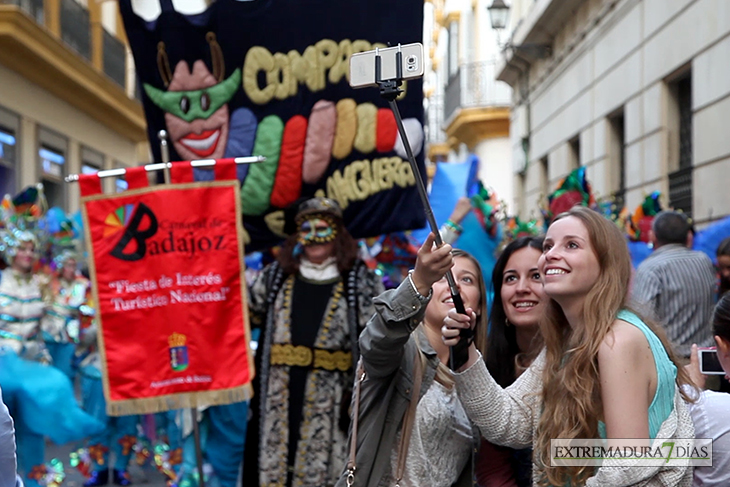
259, 183
639, 225
320, 135
573, 190
288, 183
118, 219
367, 115
346, 128
243, 126
414, 132
387, 131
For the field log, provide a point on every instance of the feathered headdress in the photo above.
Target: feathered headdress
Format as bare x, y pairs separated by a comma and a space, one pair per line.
572, 190
639, 225
486, 206
19, 220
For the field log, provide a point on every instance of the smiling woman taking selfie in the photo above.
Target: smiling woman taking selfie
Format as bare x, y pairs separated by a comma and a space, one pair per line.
409, 427
604, 372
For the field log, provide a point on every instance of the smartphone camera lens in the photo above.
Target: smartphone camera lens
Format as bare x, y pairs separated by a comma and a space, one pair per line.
411, 62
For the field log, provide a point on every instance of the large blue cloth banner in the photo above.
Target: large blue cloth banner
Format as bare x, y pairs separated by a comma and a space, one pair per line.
451, 182
270, 77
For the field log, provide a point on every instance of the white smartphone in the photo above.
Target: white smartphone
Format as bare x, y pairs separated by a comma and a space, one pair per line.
709, 363
362, 65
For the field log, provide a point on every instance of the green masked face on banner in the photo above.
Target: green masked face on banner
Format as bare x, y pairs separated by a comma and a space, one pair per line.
195, 104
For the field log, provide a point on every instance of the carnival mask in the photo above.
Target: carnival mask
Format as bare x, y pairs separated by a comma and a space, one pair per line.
316, 230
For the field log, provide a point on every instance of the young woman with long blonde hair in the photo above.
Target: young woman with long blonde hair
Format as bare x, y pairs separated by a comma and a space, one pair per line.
401, 347
605, 372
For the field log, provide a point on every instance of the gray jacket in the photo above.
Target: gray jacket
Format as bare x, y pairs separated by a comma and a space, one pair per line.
388, 352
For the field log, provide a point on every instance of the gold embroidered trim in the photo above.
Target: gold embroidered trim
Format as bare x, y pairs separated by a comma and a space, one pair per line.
301, 356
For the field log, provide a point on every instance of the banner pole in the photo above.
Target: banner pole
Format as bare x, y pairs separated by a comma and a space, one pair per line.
165, 154
198, 448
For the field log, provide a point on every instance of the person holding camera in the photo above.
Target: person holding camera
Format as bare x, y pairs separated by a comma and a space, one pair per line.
408, 425
711, 411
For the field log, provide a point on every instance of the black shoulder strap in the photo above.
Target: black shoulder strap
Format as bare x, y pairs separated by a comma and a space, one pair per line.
353, 309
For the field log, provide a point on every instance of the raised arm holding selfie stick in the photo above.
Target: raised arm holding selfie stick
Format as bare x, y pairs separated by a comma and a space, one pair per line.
389, 90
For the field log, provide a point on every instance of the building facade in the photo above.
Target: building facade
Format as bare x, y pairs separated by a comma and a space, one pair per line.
633, 90
467, 108
67, 96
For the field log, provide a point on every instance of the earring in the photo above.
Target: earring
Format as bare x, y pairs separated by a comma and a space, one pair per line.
507, 324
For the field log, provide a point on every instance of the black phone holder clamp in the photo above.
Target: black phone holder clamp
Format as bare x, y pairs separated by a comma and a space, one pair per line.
389, 90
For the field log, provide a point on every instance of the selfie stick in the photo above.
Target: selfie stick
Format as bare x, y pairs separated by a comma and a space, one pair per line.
390, 90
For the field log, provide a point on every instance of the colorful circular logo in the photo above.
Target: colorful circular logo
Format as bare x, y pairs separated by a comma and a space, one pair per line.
118, 219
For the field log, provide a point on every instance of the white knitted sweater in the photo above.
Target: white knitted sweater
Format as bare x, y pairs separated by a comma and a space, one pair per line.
509, 417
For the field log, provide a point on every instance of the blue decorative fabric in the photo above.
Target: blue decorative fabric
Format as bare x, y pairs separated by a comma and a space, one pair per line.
41, 400
92, 391
44, 397
62, 355
222, 437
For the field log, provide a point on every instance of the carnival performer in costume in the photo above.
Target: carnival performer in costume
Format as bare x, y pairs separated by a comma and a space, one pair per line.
40, 397
66, 302
120, 433
311, 306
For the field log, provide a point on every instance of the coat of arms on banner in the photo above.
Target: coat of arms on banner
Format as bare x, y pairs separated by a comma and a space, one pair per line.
178, 352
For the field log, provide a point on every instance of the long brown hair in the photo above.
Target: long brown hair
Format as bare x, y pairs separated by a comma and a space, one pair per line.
502, 349
571, 388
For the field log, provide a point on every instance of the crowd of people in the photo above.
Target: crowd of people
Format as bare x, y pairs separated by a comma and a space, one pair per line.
353, 385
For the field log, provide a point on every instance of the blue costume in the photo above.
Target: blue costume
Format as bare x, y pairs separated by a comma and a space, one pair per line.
222, 438
40, 397
118, 436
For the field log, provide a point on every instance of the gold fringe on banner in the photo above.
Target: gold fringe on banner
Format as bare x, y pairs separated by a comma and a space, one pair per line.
184, 400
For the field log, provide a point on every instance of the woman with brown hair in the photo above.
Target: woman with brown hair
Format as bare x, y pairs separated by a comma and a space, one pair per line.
512, 345
604, 372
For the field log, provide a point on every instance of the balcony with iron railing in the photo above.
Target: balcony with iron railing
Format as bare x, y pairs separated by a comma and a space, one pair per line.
62, 46
115, 58
76, 28
474, 86
476, 105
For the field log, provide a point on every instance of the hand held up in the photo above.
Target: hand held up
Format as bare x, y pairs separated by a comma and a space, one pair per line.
432, 263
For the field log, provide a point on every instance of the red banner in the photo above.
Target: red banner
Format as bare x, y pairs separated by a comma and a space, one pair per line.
167, 270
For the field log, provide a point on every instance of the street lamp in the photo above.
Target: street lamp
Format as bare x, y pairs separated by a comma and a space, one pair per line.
498, 14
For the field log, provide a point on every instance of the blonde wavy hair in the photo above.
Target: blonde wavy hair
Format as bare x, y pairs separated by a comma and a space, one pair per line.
571, 394
444, 375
